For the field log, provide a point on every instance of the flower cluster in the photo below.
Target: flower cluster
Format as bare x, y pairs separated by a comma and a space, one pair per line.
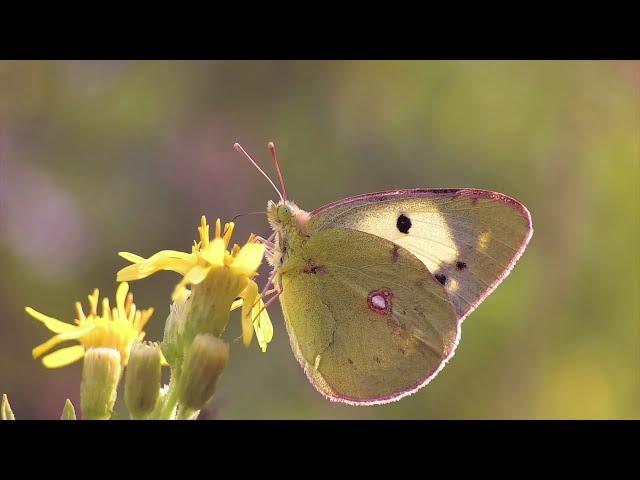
230, 271
117, 328
216, 279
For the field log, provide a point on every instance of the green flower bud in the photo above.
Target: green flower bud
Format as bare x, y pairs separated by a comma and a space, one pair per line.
5, 409
142, 379
173, 331
203, 364
99, 388
68, 412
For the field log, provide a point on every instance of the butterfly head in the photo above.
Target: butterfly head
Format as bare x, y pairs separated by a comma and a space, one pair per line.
286, 214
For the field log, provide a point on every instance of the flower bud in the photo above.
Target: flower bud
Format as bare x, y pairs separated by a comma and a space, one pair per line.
5, 409
203, 364
142, 379
99, 388
173, 330
68, 412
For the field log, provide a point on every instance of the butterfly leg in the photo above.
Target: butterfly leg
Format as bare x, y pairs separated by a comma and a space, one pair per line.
269, 283
267, 242
276, 292
269, 246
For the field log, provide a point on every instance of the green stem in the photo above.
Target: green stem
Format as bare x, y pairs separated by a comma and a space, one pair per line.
170, 400
187, 414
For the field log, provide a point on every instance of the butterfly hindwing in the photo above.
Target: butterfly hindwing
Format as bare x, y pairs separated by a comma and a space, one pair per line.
367, 320
468, 239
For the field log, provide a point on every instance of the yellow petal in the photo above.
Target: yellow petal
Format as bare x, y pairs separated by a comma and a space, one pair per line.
132, 257
180, 293
266, 326
249, 295
248, 259
93, 301
196, 275
172, 260
228, 231
203, 230
61, 337
106, 309
262, 325
121, 295
63, 357
128, 303
143, 319
80, 312
236, 304
53, 324
214, 253
260, 339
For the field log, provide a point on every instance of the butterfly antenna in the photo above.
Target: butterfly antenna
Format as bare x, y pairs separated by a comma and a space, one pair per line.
248, 213
272, 149
239, 148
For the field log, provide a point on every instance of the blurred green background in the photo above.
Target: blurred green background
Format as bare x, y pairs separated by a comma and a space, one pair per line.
98, 157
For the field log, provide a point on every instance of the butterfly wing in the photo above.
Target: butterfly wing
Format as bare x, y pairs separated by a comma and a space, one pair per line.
366, 319
468, 239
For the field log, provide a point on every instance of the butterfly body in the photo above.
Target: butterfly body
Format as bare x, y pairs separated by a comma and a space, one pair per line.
374, 288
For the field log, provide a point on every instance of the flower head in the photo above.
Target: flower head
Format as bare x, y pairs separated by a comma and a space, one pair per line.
221, 277
118, 328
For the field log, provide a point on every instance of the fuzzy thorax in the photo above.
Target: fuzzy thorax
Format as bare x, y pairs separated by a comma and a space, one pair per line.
290, 224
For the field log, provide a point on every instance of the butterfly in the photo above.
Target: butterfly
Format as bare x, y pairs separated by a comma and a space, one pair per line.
374, 288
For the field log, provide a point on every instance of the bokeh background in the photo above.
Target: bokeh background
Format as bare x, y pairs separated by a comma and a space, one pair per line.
98, 157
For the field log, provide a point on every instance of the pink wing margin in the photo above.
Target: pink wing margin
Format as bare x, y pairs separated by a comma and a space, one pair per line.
453, 193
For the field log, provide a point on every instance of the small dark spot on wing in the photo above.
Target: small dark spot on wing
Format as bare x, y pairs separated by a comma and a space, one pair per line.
441, 278
403, 223
394, 253
350, 361
461, 265
313, 268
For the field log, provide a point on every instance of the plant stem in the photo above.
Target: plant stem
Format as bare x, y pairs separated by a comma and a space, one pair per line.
170, 400
187, 414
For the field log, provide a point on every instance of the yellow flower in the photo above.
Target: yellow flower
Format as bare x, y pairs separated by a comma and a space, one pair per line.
118, 328
231, 271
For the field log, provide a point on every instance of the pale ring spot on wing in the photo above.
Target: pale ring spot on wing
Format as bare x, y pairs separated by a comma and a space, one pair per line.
380, 301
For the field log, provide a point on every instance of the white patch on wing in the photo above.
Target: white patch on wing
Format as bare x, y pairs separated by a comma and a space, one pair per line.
429, 237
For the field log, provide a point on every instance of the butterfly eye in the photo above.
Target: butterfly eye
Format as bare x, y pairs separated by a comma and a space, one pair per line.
284, 213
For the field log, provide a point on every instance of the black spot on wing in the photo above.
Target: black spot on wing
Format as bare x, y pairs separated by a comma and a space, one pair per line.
441, 278
461, 265
403, 223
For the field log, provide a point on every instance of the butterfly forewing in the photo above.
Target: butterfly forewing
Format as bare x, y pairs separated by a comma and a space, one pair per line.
468, 239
